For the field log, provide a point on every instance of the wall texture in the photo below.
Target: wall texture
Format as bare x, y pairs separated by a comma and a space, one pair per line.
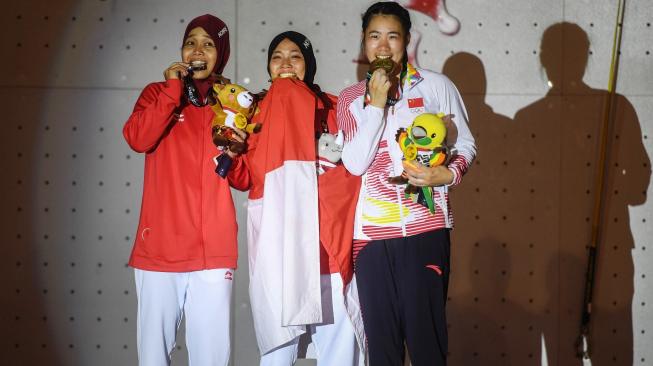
532, 73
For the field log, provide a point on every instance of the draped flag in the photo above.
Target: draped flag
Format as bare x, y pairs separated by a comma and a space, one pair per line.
292, 212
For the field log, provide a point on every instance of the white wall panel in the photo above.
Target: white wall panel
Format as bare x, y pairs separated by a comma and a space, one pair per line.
504, 34
641, 217
598, 19
109, 44
322, 22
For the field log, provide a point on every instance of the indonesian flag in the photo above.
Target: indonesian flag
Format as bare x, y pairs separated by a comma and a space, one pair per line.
290, 210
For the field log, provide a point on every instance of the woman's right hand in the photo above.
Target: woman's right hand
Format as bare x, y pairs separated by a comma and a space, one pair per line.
241, 137
378, 87
176, 71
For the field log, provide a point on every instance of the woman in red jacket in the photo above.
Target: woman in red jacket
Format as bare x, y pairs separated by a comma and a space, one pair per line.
300, 225
185, 250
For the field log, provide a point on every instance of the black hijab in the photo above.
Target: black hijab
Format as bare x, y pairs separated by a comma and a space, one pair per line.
305, 47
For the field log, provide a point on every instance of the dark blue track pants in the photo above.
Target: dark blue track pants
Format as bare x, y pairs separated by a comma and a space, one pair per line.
402, 285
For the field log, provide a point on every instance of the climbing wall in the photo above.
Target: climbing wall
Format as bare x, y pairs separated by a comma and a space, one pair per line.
533, 75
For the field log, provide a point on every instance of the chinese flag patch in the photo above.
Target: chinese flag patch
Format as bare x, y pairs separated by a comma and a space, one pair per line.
416, 103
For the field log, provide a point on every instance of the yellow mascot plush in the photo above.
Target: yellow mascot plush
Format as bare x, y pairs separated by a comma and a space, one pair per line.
424, 142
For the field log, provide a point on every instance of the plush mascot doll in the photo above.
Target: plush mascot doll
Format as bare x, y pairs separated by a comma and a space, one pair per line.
329, 151
234, 108
423, 142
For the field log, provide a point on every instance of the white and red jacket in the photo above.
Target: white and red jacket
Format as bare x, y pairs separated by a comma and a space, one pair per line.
188, 219
371, 150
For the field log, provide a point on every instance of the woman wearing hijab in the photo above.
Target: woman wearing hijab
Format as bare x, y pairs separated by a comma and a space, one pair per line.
185, 250
299, 224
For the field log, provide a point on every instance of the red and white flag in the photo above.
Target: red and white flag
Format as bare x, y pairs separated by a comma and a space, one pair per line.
289, 212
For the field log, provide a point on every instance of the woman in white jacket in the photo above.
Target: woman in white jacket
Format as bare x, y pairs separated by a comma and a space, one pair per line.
401, 248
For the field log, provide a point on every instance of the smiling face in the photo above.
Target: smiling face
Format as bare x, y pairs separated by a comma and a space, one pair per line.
287, 61
199, 46
384, 37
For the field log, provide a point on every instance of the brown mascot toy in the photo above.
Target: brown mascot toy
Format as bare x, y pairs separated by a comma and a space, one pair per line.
234, 108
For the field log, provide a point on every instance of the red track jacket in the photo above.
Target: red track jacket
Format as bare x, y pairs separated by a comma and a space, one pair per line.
188, 219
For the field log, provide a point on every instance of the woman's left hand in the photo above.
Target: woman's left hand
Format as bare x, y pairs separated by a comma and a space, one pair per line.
422, 176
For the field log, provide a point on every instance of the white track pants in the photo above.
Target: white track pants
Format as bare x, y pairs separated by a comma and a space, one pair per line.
203, 297
334, 341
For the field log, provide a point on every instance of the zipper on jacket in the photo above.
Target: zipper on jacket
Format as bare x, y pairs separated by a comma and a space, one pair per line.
203, 140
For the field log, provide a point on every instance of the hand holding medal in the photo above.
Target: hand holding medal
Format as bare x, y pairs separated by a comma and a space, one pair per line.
383, 82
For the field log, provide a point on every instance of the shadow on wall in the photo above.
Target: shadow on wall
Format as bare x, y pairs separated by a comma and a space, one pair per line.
28, 337
483, 317
491, 321
577, 111
529, 198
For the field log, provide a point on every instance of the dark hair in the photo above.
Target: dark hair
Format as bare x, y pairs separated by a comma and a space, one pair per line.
305, 47
388, 8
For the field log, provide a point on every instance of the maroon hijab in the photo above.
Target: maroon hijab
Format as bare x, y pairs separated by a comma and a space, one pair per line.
219, 33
